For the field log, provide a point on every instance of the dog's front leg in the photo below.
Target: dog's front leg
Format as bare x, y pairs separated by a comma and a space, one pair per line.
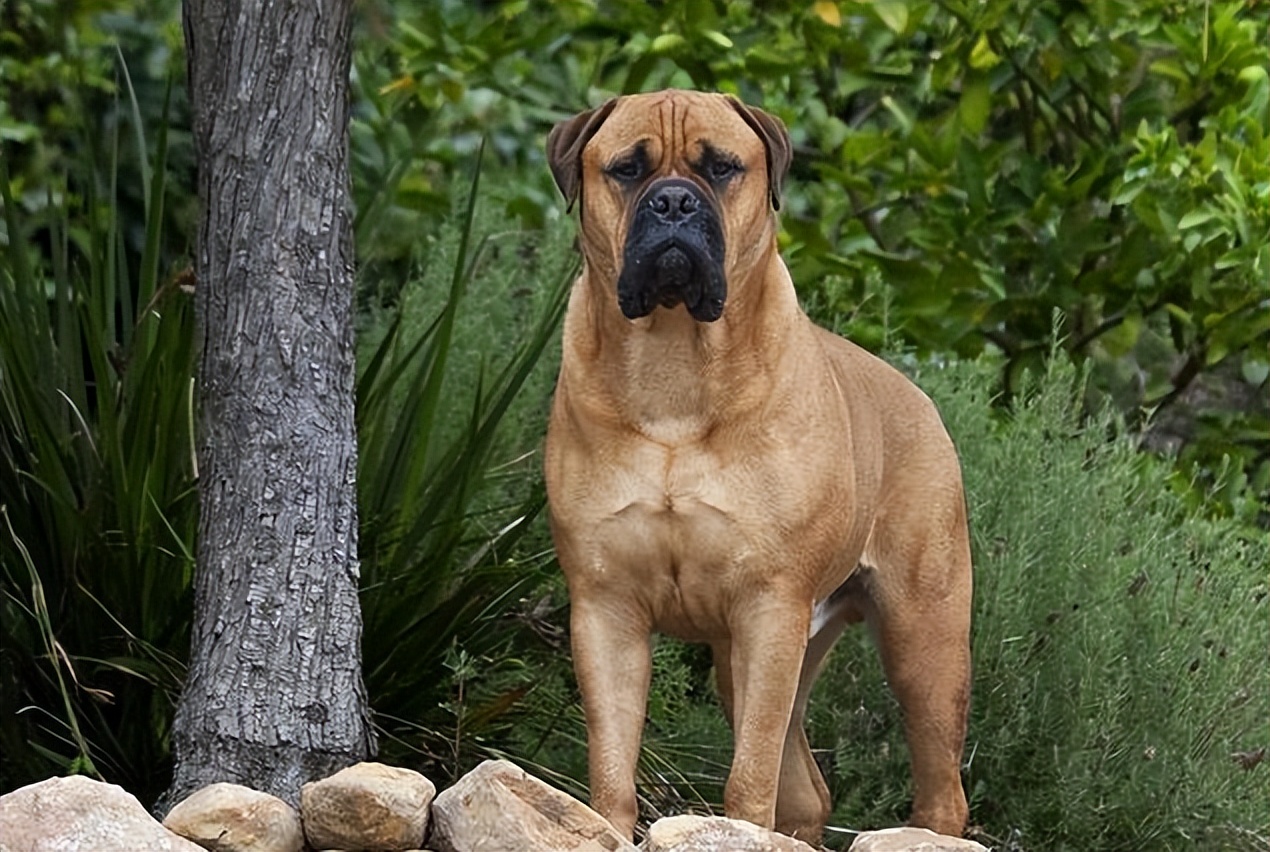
613, 663
769, 638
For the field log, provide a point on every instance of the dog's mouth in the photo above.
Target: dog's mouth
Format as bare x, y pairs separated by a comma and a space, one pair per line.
674, 276
672, 261
678, 277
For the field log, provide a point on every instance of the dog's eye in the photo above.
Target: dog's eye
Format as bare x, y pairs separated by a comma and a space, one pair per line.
625, 170
721, 170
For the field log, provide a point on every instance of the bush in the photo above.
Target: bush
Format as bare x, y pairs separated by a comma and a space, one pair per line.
78, 75
450, 484
98, 507
992, 161
97, 501
1119, 644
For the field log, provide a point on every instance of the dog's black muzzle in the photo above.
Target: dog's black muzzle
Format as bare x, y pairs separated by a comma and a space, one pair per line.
673, 253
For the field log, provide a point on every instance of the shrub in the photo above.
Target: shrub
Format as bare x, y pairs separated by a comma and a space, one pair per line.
97, 481
450, 484
97, 501
1119, 644
991, 160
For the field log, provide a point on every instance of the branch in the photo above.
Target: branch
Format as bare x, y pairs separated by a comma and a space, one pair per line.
866, 217
1098, 107
1111, 322
1005, 344
1115, 320
1181, 379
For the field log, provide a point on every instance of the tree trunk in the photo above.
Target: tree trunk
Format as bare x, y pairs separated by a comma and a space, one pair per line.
274, 695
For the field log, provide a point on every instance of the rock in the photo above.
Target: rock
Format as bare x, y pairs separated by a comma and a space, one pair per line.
232, 818
367, 806
498, 807
912, 840
689, 833
78, 814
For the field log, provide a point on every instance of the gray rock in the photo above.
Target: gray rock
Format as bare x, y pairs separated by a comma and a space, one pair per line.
689, 833
367, 806
498, 807
912, 840
232, 818
78, 814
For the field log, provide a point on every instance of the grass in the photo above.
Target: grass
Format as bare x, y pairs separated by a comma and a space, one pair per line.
98, 480
450, 485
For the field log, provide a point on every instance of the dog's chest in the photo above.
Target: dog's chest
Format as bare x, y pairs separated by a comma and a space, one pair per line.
691, 529
678, 554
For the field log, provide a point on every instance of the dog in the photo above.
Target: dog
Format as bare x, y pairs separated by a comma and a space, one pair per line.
722, 470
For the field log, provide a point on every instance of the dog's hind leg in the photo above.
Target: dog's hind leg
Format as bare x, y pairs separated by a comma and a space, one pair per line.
920, 616
802, 801
721, 653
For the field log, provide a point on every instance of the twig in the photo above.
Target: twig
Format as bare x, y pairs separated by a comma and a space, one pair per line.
866, 217
1181, 379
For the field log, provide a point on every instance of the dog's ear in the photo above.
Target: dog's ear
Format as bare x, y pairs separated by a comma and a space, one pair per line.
780, 152
565, 144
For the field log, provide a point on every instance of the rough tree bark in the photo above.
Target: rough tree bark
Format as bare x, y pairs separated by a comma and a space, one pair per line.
274, 695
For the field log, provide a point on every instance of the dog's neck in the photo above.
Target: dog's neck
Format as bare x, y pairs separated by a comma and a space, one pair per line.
673, 378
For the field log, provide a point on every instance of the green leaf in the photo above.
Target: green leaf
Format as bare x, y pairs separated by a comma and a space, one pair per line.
1128, 192
1218, 349
973, 179
718, 38
1255, 371
975, 105
667, 43
1169, 68
1120, 340
893, 13
1198, 216
1253, 74
1230, 260
1180, 314
453, 89
901, 116
982, 56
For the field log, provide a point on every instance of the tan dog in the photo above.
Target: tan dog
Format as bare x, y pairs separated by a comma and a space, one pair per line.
722, 470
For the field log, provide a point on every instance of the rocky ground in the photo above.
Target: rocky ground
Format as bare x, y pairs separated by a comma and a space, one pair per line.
497, 807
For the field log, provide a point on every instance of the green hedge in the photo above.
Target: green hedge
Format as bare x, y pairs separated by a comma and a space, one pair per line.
1119, 643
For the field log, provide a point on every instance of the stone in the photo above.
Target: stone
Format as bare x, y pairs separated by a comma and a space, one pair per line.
78, 814
498, 807
232, 818
367, 806
688, 833
909, 839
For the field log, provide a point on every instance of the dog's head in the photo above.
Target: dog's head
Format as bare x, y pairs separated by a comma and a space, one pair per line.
677, 193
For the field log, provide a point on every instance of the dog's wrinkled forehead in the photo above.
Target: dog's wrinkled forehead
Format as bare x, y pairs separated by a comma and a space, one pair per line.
670, 131
673, 129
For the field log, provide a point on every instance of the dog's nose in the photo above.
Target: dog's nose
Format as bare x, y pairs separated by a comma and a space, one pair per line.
674, 202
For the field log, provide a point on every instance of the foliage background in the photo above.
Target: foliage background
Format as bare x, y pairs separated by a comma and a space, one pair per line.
963, 171
989, 161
